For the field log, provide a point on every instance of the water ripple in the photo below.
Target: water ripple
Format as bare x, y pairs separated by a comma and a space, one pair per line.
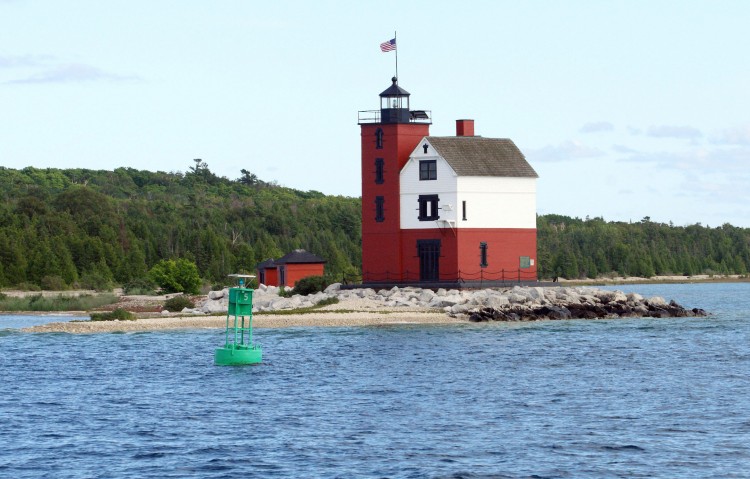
576, 399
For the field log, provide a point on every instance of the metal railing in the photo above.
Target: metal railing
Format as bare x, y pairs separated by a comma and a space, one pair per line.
374, 116
466, 277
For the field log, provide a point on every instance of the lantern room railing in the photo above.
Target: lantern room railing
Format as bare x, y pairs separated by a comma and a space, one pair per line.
415, 116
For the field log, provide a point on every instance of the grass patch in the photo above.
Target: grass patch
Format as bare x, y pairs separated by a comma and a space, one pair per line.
309, 309
118, 313
37, 302
326, 302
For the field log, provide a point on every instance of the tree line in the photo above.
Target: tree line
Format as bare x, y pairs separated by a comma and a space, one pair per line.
62, 228
73, 227
575, 248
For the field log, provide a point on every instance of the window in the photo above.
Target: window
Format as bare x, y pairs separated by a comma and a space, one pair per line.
379, 170
483, 255
428, 170
428, 207
525, 262
379, 139
379, 214
463, 208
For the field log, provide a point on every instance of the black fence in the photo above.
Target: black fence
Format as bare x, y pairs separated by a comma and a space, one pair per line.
504, 276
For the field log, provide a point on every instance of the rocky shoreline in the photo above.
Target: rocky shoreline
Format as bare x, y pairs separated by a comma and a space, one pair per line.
409, 305
512, 304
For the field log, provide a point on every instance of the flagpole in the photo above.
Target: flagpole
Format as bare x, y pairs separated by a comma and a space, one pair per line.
396, 40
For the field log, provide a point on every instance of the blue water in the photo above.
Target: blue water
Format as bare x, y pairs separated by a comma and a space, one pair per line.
17, 321
570, 399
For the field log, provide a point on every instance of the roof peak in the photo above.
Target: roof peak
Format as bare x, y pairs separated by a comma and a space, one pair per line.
394, 90
478, 156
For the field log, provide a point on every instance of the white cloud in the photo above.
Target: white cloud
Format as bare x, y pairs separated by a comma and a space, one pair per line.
16, 61
733, 136
634, 131
623, 149
721, 161
597, 126
669, 131
567, 150
71, 73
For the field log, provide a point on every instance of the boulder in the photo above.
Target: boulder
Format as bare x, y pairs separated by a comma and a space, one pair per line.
656, 302
516, 298
217, 294
425, 296
332, 288
497, 302
634, 297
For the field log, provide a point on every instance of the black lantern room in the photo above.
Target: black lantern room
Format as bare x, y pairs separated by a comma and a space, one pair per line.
394, 104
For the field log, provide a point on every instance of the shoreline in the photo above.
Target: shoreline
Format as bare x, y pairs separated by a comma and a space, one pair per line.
323, 318
673, 279
367, 307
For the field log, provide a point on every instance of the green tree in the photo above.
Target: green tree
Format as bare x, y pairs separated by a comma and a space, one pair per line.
176, 276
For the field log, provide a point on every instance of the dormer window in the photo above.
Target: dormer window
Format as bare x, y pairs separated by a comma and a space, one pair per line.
428, 170
379, 139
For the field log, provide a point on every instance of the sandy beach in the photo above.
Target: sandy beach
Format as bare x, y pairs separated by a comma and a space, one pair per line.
340, 315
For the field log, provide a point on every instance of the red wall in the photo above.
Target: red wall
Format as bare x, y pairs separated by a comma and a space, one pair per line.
448, 258
272, 278
381, 242
460, 254
297, 271
505, 246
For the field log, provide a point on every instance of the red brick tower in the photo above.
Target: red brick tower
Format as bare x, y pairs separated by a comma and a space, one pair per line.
389, 135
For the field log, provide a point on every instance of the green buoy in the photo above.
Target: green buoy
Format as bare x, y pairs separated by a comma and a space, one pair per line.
238, 341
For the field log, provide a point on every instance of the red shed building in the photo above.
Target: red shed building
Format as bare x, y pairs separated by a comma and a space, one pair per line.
442, 209
290, 268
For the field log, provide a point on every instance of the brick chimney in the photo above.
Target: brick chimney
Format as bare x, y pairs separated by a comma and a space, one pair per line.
464, 127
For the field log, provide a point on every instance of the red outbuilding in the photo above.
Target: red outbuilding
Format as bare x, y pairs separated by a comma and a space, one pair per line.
290, 268
442, 209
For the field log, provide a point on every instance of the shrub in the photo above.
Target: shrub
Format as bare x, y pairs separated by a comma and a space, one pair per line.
60, 302
118, 313
309, 285
96, 281
53, 283
176, 276
139, 286
178, 303
25, 286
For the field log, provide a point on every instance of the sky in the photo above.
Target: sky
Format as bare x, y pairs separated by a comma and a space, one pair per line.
626, 109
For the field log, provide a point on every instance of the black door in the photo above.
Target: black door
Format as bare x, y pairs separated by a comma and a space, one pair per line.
429, 259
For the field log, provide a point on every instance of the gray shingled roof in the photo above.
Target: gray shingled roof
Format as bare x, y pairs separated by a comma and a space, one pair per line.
478, 156
299, 256
269, 263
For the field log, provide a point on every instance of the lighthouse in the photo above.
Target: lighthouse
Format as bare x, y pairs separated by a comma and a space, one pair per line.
389, 135
450, 210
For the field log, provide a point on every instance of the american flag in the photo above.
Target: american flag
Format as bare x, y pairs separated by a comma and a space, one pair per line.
388, 46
